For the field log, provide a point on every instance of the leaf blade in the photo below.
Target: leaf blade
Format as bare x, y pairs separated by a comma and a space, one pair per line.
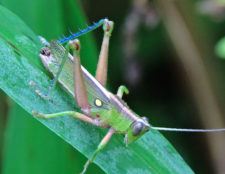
151, 154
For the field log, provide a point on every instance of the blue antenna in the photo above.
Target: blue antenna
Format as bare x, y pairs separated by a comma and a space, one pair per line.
88, 29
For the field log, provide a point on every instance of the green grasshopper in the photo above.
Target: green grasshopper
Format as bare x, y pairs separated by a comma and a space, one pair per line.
99, 106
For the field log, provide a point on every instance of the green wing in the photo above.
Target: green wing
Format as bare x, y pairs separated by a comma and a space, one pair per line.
93, 87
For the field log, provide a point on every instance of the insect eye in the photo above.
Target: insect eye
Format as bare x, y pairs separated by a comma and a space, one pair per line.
98, 102
137, 128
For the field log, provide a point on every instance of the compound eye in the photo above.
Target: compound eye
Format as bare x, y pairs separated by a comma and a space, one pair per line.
98, 103
137, 128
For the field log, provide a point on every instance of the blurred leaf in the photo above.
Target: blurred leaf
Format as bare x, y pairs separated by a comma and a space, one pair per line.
49, 14
19, 47
220, 48
3, 109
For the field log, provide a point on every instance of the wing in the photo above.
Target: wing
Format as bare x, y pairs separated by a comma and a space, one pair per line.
52, 63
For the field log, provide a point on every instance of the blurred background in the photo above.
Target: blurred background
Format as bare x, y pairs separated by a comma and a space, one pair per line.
163, 51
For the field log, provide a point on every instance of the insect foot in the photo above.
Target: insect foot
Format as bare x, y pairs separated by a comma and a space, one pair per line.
108, 27
74, 45
38, 114
37, 90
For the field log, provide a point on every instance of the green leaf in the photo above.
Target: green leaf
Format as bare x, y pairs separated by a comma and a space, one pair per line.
220, 48
34, 149
20, 64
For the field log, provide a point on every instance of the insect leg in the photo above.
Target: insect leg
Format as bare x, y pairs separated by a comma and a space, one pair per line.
122, 89
72, 114
82, 32
101, 73
101, 145
79, 86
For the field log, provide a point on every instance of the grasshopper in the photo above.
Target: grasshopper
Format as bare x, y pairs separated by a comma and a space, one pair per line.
99, 106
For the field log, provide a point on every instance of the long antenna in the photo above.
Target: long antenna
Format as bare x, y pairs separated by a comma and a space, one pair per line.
186, 130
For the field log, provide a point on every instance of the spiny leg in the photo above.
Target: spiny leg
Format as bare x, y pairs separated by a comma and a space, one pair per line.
101, 73
79, 86
122, 89
101, 145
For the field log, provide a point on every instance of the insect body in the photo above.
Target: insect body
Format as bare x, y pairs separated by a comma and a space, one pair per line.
99, 106
105, 108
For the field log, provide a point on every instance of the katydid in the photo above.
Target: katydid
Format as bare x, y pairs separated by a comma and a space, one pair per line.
99, 106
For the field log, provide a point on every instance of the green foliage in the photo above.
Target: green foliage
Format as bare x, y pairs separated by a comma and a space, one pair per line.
20, 64
34, 148
220, 48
